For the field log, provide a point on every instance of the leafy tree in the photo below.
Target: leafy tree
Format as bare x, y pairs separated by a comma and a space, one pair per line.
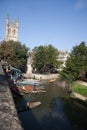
76, 65
14, 53
80, 54
45, 58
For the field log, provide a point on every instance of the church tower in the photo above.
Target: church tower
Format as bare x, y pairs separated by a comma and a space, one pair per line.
11, 30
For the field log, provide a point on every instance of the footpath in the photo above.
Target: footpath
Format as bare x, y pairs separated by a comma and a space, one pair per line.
82, 83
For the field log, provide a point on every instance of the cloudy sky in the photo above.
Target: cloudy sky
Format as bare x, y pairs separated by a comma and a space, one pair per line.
62, 23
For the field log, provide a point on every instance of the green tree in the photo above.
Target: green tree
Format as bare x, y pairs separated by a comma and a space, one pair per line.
45, 58
76, 65
14, 53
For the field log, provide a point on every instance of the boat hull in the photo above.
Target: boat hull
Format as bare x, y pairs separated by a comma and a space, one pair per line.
28, 106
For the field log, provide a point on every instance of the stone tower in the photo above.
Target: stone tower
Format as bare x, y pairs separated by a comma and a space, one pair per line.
11, 30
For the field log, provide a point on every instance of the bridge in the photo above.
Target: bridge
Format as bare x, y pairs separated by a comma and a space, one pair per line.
8, 115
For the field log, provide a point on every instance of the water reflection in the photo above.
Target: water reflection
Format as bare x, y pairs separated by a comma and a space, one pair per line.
49, 115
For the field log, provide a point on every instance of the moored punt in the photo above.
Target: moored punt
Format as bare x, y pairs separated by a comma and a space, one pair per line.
25, 89
40, 87
29, 82
32, 80
21, 93
38, 91
34, 91
31, 90
52, 80
29, 87
33, 104
15, 90
28, 106
42, 91
22, 90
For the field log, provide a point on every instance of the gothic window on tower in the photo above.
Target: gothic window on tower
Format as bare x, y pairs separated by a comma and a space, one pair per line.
14, 32
9, 31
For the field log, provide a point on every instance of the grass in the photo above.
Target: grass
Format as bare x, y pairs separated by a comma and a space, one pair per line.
81, 89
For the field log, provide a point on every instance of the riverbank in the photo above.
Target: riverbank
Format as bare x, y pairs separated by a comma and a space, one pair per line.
41, 76
79, 89
77, 95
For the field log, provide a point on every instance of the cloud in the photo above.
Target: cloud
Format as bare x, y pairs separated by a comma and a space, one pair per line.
81, 4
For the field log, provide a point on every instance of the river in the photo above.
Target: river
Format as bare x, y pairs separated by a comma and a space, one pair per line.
57, 111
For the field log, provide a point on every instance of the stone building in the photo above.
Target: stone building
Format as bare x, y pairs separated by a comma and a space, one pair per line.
63, 55
11, 32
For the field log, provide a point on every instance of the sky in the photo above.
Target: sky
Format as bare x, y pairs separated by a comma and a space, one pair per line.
62, 23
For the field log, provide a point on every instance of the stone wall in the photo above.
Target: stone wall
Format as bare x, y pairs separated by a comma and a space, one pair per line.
8, 115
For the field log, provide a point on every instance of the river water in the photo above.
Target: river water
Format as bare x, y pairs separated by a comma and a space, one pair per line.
56, 111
